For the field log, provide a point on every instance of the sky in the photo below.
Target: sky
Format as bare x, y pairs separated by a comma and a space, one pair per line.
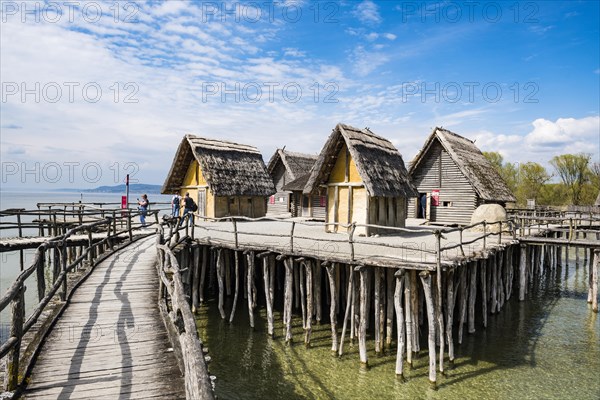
93, 90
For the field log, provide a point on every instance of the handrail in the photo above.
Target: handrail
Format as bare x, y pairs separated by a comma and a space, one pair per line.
181, 320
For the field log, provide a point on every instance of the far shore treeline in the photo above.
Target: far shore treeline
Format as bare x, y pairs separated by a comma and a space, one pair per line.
574, 180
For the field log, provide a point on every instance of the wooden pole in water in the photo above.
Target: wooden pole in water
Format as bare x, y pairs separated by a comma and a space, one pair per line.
472, 295
362, 331
399, 321
332, 308
203, 273
450, 297
494, 288
484, 291
249, 281
288, 301
195, 279
595, 280
377, 294
349, 297
426, 280
409, 314
268, 297
522, 275
237, 284
391, 281
220, 267
309, 301
463, 301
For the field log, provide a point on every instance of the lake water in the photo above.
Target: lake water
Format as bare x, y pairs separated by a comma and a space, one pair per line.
547, 347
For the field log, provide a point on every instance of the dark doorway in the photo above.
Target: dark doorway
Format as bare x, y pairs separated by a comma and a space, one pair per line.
422, 206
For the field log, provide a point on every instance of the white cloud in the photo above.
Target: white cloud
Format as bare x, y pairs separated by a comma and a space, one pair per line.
367, 12
389, 36
364, 62
372, 36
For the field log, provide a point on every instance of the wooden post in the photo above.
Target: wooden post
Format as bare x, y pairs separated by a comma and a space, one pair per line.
362, 331
351, 240
289, 277
409, 314
391, 281
203, 273
268, 297
449, 314
426, 280
377, 294
63, 259
195, 278
349, 303
16, 330
292, 237
302, 298
399, 322
309, 301
463, 301
249, 285
129, 230
522, 272
332, 308
472, 295
41, 279
237, 284
235, 232
220, 268
494, 287
595, 280
440, 314
317, 291
484, 291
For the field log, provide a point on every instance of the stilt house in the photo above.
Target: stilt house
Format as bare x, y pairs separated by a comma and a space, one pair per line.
224, 178
453, 178
311, 205
285, 167
365, 178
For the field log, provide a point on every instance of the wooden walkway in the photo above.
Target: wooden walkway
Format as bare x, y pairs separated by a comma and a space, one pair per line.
111, 342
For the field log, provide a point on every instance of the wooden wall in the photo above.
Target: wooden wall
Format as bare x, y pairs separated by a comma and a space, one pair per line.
458, 199
281, 199
192, 183
246, 206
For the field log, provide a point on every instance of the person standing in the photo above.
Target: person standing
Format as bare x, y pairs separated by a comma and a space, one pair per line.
143, 208
188, 207
175, 205
423, 202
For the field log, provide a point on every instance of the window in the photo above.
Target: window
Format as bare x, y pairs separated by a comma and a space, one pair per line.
446, 204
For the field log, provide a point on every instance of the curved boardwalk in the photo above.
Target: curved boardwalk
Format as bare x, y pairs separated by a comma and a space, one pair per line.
111, 342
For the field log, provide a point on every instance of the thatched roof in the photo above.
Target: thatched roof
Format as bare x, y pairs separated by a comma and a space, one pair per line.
486, 181
297, 184
378, 162
296, 164
230, 169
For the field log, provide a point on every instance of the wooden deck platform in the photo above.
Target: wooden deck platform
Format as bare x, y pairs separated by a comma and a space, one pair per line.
111, 341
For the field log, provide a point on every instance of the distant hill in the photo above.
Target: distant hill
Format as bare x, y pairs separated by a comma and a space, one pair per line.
133, 188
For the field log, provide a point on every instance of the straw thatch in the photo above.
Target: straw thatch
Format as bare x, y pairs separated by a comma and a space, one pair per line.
486, 181
297, 184
296, 164
378, 162
230, 169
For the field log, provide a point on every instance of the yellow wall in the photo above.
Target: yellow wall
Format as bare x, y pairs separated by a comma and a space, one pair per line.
343, 206
194, 178
338, 173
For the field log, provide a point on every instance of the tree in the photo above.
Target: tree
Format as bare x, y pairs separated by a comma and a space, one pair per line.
532, 177
507, 171
573, 171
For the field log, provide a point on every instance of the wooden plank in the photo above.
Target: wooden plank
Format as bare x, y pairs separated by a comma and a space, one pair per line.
111, 341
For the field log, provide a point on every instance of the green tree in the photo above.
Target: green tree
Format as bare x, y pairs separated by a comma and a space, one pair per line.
507, 171
573, 171
532, 177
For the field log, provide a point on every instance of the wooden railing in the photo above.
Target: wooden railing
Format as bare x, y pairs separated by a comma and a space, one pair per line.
55, 247
179, 319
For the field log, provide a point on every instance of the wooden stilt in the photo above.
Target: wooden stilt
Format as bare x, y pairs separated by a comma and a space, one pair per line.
522, 272
317, 291
463, 301
391, 281
268, 297
302, 294
355, 308
414, 298
409, 315
399, 276
220, 271
249, 285
309, 301
362, 331
347, 314
472, 295
289, 277
227, 270
333, 309
203, 272
494, 289
596, 265
237, 284
426, 280
450, 313
484, 292
297, 296
195, 279
377, 298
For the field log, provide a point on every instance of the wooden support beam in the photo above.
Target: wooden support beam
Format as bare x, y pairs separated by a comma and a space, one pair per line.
309, 301
399, 277
426, 280
249, 285
409, 316
522, 272
472, 294
332, 309
237, 284
289, 277
362, 331
268, 296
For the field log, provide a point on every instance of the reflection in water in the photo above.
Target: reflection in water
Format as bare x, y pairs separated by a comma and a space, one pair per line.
540, 348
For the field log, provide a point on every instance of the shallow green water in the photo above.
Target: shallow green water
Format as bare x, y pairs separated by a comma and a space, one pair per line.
547, 347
